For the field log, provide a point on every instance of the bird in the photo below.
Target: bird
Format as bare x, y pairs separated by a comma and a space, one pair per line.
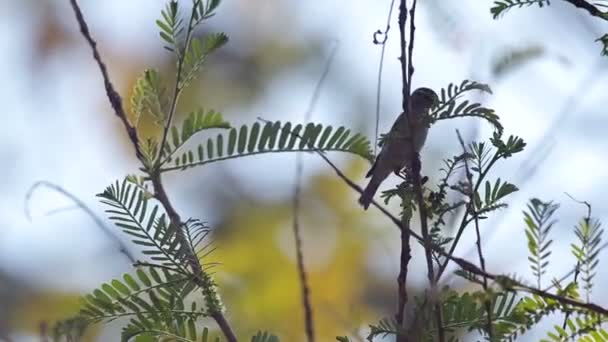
397, 149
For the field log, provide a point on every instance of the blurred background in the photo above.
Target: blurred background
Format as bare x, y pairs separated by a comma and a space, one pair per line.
543, 65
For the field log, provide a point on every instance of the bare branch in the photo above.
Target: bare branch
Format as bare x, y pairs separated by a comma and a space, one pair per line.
113, 96
81, 205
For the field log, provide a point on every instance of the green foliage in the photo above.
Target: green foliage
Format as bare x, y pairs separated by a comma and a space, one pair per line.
148, 97
526, 313
589, 234
197, 54
506, 149
502, 6
194, 123
405, 192
264, 337
147, 228
149, 293
204, 9
179, 329
154, 301
604, 40
71, 329
448, 107
171, 26
584, 327
539, 222
492, 196
467, 312
438, 207
385, 327
272, 138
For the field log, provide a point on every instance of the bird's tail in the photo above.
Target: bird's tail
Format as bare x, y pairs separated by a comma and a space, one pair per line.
369, 192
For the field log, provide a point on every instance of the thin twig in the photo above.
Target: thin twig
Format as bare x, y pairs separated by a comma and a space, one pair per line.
304, 286
405, 235
155, 177
122, 248
404, 260
112, 94
594, 11
482, 262
407, 71
380, 68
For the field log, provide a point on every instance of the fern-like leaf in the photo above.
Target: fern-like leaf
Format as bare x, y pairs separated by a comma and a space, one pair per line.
148, 97
205, 10
604, 40
539, 222
492, 196
272, 138
585, 327
129, 210
196, 121
179, 328
501, 7
589, 234
149, 293
386, 327
171, 26
264, 336
197, 54
447, 107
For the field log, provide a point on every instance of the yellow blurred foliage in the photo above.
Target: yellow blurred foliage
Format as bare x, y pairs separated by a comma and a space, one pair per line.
41, 310
258, 276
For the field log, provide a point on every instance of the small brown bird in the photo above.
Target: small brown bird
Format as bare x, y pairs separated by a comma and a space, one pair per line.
396, 151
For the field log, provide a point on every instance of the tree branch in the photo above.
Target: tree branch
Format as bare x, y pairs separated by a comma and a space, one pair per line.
160, 192
594, 11
407, 71
113, 96
80, 204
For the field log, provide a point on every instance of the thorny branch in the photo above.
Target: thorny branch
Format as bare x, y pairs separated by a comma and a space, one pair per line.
112, 94
160, 192
407, 71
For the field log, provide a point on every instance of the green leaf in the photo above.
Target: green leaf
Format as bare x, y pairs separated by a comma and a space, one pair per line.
197, 53
148, 97
502, 6
258, 139
448, 107
539, 222
196, 122
264, 337
171, 26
